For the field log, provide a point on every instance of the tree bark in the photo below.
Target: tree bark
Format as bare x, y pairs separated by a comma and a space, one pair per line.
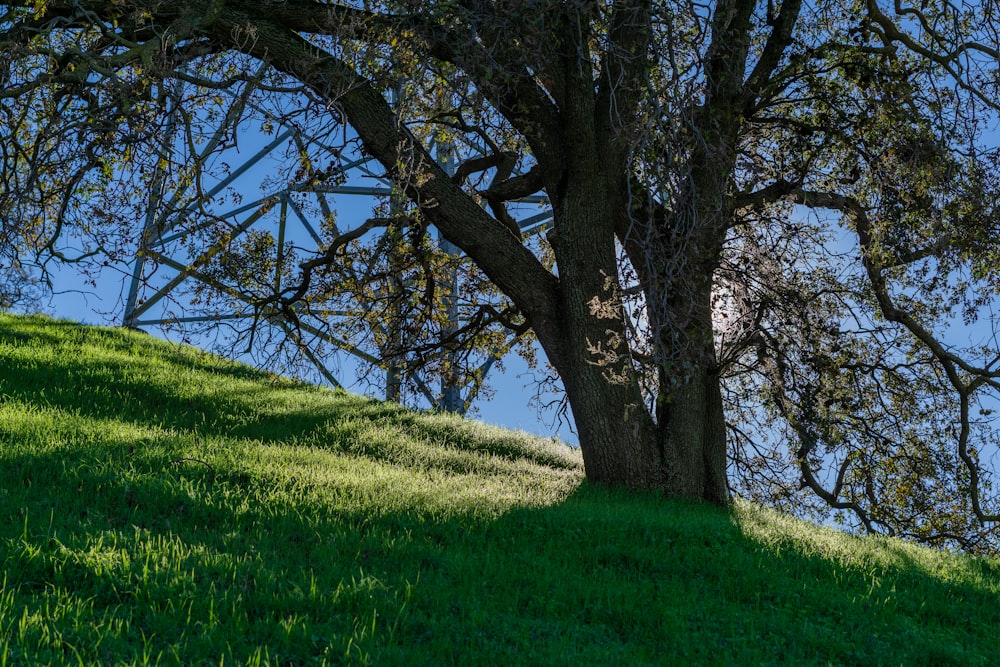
681, 454
691, 419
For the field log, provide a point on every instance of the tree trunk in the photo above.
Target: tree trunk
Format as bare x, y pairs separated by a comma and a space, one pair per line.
618, 438
692, 427
681, 454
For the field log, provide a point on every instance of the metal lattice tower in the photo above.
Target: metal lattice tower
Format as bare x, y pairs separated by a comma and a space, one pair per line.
202, 223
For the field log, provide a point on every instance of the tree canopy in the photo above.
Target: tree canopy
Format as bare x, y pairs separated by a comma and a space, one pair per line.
771, 268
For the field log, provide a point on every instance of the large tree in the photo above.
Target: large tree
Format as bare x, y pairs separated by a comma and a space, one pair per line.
771, 209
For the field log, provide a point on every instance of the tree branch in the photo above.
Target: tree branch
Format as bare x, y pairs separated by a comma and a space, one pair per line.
779, 40
515, 187
949, 61
950, 362
508, 263
623, 76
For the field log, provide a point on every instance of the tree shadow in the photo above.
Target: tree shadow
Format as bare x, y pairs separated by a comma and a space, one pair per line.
678, 583
217, 563
114, 552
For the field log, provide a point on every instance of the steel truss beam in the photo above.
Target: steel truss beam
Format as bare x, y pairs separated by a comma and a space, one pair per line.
174, 219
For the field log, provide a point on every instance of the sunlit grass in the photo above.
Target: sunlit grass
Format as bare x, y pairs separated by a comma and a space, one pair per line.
159, 505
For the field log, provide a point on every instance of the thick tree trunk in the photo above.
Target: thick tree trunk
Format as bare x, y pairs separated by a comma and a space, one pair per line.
692, 427
617, 436
681, 454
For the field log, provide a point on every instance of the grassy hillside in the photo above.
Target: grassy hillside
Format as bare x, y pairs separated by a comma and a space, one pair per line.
161, 506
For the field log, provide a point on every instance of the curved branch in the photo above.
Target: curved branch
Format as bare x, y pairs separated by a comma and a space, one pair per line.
949, 61
506, 261
515, 187
499, 73
807, 443
779, 40
950, 362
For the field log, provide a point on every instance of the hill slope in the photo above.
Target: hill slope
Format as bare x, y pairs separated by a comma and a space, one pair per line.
159, 505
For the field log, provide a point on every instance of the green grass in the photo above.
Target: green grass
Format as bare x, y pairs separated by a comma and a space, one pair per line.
159, 505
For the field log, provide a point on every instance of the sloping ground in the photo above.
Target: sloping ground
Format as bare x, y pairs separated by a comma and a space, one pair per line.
159, 505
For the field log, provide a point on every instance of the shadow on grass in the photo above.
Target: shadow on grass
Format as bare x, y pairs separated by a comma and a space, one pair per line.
200, 565
687, 584
112, 554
